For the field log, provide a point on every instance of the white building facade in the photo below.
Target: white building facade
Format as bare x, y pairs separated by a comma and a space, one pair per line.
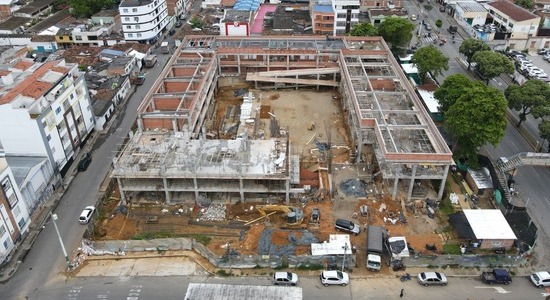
143, 20
14, 216
346, 14
46, 114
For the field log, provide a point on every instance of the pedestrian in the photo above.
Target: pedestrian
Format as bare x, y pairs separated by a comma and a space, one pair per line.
401, 294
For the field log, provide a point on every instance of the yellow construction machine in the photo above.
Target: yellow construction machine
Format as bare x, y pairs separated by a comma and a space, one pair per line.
293, 215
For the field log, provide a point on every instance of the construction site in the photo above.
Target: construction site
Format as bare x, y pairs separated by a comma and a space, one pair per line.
261, 143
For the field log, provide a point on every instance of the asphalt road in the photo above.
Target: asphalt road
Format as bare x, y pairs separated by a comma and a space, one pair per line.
46, 259
531, 182
137, 288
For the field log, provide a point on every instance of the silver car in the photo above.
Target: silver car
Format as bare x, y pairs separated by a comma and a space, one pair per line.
431, 278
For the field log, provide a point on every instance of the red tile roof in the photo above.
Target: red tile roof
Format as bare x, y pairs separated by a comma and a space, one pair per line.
4, 72
23, 65
33, 86
513, 11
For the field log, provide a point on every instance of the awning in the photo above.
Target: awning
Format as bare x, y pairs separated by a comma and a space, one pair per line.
461, 225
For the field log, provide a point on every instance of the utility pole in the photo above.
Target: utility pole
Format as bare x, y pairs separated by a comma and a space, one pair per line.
54, 218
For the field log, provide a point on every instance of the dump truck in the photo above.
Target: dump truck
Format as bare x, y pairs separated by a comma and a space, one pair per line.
500, 276
150, 61
164, 48
375, 247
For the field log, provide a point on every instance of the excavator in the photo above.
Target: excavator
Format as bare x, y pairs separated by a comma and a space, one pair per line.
294, 215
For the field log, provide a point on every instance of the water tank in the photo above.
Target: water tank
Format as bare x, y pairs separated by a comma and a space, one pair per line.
291, 217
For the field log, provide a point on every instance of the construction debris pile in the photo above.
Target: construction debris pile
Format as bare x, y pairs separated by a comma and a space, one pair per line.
283, 242
354, 187
214, 212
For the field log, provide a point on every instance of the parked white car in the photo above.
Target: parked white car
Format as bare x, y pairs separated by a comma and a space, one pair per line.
541, 279
432, 278
86, 215
334, 278
285, 278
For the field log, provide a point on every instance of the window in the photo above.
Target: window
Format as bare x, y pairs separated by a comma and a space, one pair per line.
138, 27
2, 230
125, 10
16, 211
130, 35
9, 192
128, 27
341, 23
134, 9
49, 137
139, 35
126, 19
78, 38
136, 19
72, 96
58, 110
341, 16
7, 244
21, 222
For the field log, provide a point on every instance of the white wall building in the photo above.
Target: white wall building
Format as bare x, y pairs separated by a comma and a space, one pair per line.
346, 14
14, 216
45, 110
143, 20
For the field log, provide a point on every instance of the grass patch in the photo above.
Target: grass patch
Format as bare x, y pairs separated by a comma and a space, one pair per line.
223, 273
281, 267
512, 273
201, 238
312, 267
257, 267
446, 207
451, 249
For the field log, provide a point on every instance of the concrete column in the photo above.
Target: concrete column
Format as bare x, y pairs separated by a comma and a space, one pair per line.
287, 191
166, 192
175, 124
411, 184
122, 195
196, 187
241, 189
443, 181
395, 187
296, 83
140, 123
359, 146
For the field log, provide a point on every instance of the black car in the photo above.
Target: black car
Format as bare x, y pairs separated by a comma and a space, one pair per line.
172, 31
84, 162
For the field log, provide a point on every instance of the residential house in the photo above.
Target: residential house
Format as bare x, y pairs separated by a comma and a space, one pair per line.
378, 4
14, 25
143, 20
377, 16
14, 216
50, 106
236, 23
43, 43
515, 20
322, 17
121, 66
107, 95
6, 8
469, 14
35, 9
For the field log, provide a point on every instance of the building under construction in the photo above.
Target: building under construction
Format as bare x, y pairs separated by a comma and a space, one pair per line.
172, 153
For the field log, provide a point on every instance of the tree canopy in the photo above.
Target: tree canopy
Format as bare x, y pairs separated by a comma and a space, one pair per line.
476, 118
470, 47
86, 8
544, 131
491, 64
364, 29
533, 96
452, 88
396, 31
430, 59
527, 4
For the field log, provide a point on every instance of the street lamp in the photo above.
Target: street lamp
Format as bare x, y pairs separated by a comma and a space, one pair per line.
54, 218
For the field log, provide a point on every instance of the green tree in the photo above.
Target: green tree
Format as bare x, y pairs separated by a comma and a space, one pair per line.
527, 98
86, 8
438, 23
452, 88
491, 64
477, 118
428, 7
470, 47
396, 31
527, 4
430, 59
544, 131
364, 29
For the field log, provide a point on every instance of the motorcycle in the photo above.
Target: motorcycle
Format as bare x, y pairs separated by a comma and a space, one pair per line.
405, 277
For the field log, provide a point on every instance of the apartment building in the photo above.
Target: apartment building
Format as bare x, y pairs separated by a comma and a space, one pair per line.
45, 110
322, 17
143, 20
515, 20
14, 216
347, 15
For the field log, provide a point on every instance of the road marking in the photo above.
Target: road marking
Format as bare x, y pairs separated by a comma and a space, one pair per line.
499, 289
546, 199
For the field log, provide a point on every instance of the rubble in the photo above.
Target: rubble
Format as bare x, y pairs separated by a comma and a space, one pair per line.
354, 187
214, 212
267, 246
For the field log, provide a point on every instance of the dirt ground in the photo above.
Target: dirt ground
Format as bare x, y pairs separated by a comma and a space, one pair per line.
296, 112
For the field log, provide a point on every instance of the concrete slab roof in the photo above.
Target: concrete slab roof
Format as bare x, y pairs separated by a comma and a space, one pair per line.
21, 166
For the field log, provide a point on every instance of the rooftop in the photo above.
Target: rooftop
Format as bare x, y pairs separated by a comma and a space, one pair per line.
14, 23
323, 8
471, 6
237, 16
50, 21
36, 6
512, 10
106, 13
489, 224
131, 3
22, 165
